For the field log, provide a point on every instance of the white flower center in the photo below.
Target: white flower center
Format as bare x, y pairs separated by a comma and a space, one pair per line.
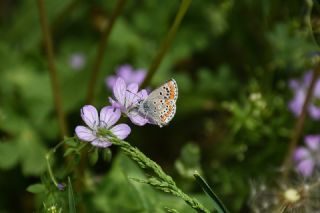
292, 195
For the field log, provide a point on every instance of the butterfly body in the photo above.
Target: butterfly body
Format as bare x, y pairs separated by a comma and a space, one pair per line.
160, 106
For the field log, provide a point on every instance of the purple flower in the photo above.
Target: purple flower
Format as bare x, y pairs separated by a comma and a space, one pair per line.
300, 93
127, 98
128, 75
61, 186
307, 158
77, 61
95, 133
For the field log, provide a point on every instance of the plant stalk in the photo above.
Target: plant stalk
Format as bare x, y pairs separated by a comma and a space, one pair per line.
101, 50
184, 6
52, 68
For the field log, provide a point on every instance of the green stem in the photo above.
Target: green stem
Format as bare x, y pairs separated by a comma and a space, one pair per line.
49, 155
52, 68
184, 6
53, 179
101, 50
162, 181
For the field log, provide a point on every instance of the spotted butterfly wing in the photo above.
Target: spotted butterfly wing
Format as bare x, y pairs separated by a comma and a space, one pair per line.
161, 103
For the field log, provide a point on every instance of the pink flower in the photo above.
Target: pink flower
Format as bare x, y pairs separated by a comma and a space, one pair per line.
307, 158
129, 75
97, 126
300, 92
127, 98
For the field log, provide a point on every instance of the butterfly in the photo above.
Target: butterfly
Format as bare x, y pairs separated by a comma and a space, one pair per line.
160, 106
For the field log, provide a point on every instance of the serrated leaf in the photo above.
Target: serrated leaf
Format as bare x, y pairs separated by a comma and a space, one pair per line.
36, 188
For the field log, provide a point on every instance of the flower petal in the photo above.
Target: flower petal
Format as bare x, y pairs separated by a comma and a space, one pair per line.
294, 84
301, 153
109, 116
110, 81
89, 115
296, 104
137, 118
316, 92
84, 133
307, 78
125, 72
103, 143
131, 95
121, 131
119, 90
312, 141
133, 87
139, 76
306, 167
314, 112
143, 94
116, 104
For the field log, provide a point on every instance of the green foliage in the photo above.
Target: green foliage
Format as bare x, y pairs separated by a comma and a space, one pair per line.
36, 188
232, 61
219, 206
72, 206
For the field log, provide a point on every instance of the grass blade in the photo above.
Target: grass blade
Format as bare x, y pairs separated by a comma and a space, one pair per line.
219, 206
72, 206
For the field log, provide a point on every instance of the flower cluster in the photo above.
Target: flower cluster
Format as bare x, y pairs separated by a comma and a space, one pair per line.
300, 92
128, 74
308, 158
126, 93
97, 125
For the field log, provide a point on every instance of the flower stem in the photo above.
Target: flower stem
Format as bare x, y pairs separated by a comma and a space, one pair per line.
48, 157
160, 180
52, 68
184, 6
287, 163
101, 50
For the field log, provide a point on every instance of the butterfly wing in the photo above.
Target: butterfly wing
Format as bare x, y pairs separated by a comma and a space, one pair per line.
161, 103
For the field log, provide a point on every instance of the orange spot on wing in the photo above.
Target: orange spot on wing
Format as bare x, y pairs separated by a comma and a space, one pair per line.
165, 116
172, 92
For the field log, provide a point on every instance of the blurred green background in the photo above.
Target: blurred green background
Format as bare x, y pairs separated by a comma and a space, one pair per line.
232, 61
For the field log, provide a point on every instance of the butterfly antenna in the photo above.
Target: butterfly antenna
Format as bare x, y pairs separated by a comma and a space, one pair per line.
135, 94
139, 98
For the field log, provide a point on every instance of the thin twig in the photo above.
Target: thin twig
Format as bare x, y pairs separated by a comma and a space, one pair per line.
167, 42
101, 50
52, 69
300, 123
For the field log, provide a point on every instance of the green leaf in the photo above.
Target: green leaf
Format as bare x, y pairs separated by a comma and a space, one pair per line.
72, 206
71, 142
8, 155
218, 205
36, 188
